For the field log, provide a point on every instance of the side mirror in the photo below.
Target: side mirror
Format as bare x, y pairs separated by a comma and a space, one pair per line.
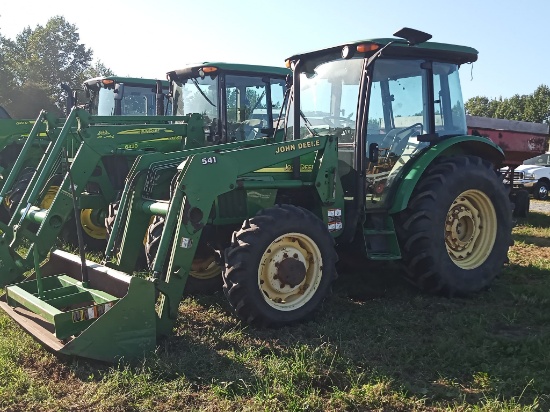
70, 100
373, 153
119, 91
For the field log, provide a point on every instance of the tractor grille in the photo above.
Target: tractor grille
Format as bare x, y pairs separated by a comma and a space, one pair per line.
518, 175
232, 204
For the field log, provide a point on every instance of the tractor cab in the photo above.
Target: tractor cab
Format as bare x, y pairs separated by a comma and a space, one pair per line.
239, 102
126, 96
386, 100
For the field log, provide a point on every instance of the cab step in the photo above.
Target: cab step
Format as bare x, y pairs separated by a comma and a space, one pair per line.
380, 238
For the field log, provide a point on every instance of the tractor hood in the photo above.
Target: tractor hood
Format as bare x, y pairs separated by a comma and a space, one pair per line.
532, 169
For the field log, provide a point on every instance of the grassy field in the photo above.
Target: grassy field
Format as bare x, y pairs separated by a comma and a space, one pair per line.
377, 344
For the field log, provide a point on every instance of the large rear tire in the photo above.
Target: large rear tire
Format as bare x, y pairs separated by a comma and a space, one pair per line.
280, 266
456, 231
205, 276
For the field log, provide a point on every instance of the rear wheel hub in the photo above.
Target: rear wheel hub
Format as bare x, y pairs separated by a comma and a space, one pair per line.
291, 272
470, 229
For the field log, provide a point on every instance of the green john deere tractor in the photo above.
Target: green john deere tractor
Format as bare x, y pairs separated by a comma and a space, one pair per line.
88, 158
373, 153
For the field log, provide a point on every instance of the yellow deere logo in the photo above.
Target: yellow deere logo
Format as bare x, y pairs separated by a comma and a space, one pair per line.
150, 130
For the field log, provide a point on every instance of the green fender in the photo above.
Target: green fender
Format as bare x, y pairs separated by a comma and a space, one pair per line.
473, 145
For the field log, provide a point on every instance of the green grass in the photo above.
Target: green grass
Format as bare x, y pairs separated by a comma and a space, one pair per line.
377, 344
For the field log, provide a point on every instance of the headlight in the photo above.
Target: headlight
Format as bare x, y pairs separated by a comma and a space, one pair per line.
529, 176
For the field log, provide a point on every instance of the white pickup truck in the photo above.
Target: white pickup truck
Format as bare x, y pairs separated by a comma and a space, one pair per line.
534, 176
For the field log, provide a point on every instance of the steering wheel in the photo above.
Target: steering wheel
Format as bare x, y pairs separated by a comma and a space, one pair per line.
345, 134
398, 137
342, 121
249, 127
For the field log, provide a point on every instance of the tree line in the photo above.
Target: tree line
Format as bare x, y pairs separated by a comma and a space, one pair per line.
38, 61
534, 107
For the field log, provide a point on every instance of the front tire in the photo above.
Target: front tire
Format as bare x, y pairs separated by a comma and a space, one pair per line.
456, 231
521, 202
280, 266
205, 275
540, 190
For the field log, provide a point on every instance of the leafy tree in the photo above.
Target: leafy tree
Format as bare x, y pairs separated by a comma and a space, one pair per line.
533, 107
512, 108
38, 62
481, 106
98, 70
6, 72
537, 106
29, 99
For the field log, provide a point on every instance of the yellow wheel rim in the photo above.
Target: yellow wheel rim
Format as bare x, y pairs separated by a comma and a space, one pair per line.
90, 222
290, 271
48, 197
470, 229
205, 268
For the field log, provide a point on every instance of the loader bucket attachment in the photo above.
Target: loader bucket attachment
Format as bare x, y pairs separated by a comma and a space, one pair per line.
109, 318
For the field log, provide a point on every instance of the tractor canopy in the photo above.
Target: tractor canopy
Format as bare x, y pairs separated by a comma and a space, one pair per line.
237, 101
400, 48
124, 96
195, 70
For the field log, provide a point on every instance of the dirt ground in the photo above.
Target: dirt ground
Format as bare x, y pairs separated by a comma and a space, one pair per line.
542, 206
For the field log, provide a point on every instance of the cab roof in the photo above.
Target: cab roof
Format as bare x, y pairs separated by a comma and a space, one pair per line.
138, 81
192, 70
438, 51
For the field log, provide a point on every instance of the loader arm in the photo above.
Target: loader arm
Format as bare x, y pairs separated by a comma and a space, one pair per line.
201, 178
94, 137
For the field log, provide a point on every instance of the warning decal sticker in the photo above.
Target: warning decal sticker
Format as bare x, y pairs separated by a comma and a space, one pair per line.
91, 312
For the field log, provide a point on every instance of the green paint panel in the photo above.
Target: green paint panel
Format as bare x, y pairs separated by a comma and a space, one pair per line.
405, 183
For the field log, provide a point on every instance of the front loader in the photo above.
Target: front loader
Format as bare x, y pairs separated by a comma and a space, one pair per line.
374, 157
93, 153
82, 169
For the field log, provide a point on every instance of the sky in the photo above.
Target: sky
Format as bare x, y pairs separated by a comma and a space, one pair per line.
144, 38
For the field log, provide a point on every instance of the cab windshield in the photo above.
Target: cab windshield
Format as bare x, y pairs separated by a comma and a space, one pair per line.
136, 101
328, 98
196, 95
244, 109
398, 99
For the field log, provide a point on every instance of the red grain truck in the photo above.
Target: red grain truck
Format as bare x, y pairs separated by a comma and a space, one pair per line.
520, 141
